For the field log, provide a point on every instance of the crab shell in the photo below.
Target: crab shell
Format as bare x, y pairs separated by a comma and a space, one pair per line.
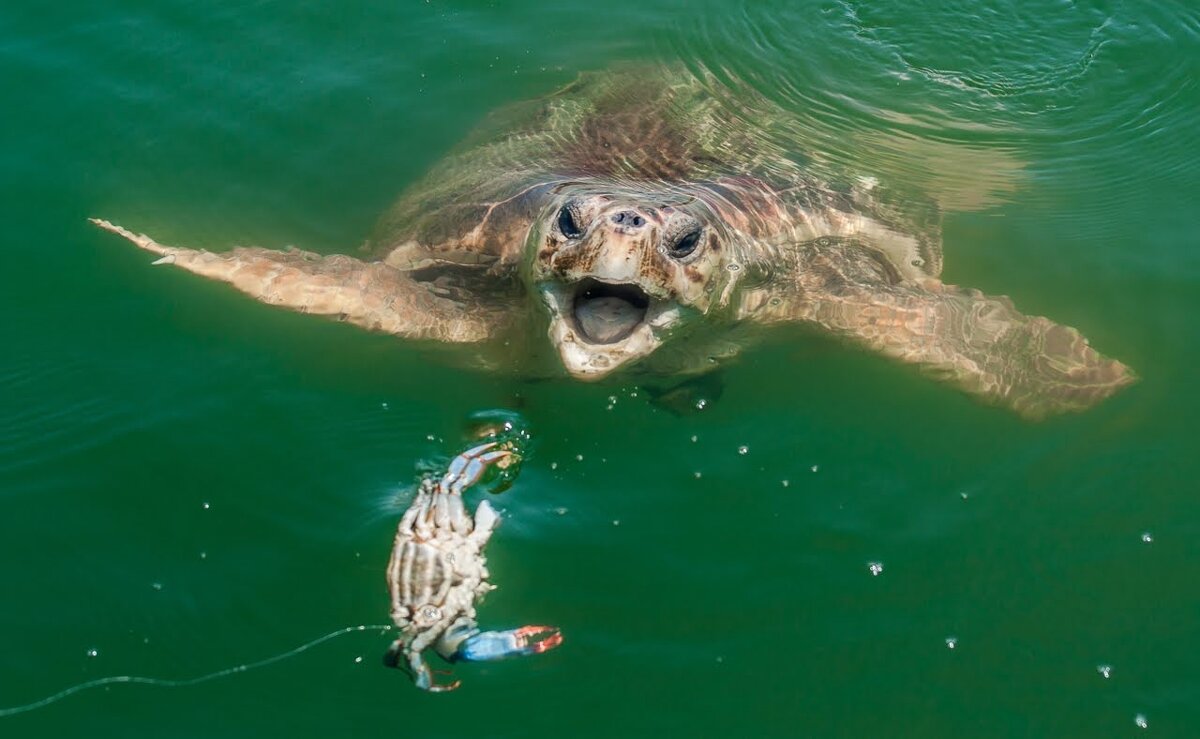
437, 569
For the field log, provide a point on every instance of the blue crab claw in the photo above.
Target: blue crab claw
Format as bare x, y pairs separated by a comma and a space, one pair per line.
490, 645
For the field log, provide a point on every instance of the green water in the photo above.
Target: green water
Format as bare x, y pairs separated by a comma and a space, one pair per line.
191, 481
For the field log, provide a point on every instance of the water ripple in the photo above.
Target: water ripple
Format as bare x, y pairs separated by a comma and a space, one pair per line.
977, 103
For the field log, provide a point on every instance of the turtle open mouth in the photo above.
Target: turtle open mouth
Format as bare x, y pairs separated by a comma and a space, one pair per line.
606, 313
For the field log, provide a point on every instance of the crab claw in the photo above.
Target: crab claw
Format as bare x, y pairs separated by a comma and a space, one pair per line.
490, 645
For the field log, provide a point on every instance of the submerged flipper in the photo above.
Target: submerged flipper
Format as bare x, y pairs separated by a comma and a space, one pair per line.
368, 294
690, 396
980, 343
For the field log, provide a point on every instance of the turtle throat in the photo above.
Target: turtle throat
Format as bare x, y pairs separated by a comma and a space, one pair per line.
606, 313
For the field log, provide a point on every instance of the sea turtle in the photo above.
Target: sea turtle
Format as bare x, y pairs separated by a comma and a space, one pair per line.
641, 220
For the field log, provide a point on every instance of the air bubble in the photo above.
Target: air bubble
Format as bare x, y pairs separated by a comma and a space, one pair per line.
875, 567
695, 438
93, 652
815, 467
561, 510
733, 267
578, 457
696, 475
700, 404
358, 660
951, 642
1104, 670
1146, 537
784, 483
1140, 721
743, 450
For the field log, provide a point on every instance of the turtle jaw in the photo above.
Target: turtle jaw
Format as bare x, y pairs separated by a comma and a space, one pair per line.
598, 326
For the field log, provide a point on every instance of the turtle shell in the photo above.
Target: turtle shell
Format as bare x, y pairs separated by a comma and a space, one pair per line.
662, 128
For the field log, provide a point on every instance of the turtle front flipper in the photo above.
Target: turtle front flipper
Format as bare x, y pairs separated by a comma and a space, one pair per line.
981, 343
372, 295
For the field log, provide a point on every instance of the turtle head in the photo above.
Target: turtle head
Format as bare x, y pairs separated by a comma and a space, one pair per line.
619, 274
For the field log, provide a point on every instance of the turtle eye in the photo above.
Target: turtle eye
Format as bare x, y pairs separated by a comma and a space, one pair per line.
685, 245
568, 224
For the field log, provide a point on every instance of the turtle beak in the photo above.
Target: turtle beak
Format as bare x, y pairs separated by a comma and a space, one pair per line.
598, 326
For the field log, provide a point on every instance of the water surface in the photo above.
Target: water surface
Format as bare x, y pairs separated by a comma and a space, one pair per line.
190, 481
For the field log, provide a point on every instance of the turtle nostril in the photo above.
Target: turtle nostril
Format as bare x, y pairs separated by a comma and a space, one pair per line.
628, 218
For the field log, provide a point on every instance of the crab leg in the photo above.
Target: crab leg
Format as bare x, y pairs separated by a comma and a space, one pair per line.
423, 676
486, 521
457, 465
445, 508
409, 519
469, 467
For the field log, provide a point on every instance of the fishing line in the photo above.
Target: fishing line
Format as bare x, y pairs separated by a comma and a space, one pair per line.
166, 683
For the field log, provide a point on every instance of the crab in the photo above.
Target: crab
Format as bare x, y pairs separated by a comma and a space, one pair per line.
438, 570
